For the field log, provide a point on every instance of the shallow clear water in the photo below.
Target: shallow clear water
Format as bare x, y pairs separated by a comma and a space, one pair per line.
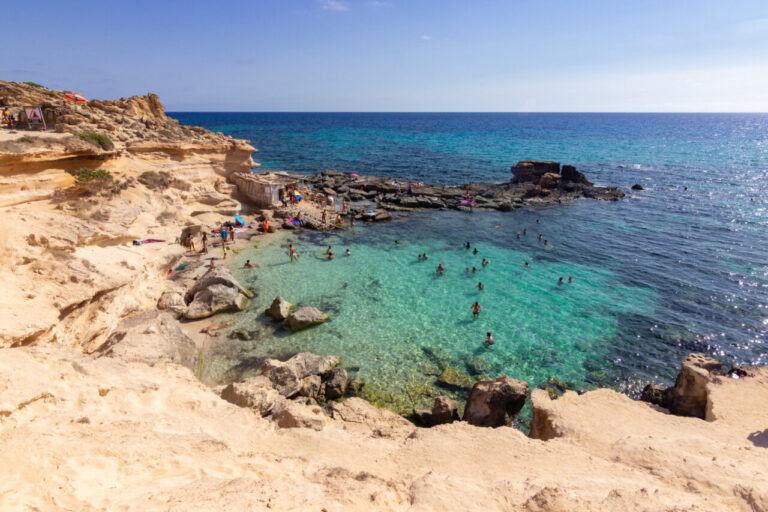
678, 267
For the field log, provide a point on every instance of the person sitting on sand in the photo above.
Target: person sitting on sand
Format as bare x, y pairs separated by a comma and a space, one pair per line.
440, 269
479, 286
476, 309
292, 253
488, 339
248, 264
346, 253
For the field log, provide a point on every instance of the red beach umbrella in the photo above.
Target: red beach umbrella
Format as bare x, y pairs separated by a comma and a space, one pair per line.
354, 175
76, 97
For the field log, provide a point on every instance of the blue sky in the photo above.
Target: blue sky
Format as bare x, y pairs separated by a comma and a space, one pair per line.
398, 55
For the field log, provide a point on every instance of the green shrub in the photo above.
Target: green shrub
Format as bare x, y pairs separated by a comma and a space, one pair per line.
85, 175
33, 84
97, 138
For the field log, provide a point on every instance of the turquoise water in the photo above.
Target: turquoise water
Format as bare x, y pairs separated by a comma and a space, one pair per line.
678, 267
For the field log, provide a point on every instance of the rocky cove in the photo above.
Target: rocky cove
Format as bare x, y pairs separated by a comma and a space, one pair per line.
94, 376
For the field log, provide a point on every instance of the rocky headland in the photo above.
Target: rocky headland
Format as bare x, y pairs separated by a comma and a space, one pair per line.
101, 407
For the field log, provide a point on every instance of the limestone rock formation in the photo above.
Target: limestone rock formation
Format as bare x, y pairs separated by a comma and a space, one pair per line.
256, 393
445, 410
688, 397
290, 414
495, 402
305, 317
214, 299
280, 308
336, 384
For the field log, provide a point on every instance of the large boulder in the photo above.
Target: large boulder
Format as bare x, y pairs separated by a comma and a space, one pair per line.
288, 377
336, 384
215, 299
550, 180
255, 393
305, 317
280, 308
217, 275
311, 386
456, 380
688, 397
495, 402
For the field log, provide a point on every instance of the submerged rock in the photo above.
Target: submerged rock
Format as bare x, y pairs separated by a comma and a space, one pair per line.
355, 386
451, 378
280, 308
305, 317
495, 402
637, 186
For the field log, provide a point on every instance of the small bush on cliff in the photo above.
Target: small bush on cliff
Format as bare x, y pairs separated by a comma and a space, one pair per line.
85, 175
34, 84
98, 139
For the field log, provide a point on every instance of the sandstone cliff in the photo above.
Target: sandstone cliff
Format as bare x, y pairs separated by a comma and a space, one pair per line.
70, 273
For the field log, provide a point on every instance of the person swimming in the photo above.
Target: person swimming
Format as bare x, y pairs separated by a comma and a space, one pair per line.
527, 265
475, 251
440, 269
425, 257
570, 280
468, 245
328, 250
466, 270
476, 309
537, 221
486, 262
397, 243
518, 236
347, 253
488, 339
525, 232
330, 255
248, 264
546, 242
419, 256
540, 237
560, 281
474, 269
479, 286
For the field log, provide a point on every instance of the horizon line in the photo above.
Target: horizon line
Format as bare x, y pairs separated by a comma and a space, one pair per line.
453, 112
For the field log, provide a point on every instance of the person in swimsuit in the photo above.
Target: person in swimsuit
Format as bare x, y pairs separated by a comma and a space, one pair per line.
475, 251
292, 253
328, 250
546, 242
212, 263
476, 309
474, 270
479, 286
488, 339
440, 269
346, 253
205, 242
527, 265
330, 255
560, 281
518, 236
570, 280
525, 232
248, 264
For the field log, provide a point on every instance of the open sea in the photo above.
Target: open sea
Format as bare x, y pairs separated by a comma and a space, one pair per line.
679, 267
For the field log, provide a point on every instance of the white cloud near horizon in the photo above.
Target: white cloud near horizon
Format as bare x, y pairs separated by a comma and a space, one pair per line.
332, 5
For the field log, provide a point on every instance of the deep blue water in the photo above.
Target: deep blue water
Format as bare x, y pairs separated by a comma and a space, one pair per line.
681, 266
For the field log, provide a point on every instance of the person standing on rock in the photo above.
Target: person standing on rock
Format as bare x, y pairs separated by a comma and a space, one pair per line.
205, 242
224, 248
476, 309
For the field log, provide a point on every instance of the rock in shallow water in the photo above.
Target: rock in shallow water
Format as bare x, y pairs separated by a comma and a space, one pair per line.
215, 299
451, 378
305, 317
280, 308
